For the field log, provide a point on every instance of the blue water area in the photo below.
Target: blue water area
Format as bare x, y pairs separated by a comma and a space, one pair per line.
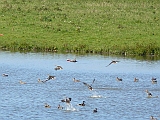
114, 100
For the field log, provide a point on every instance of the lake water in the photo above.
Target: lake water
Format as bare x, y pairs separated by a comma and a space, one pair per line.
115, 100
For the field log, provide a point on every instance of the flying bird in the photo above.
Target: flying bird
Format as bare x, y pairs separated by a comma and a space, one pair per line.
112, 62
89, 86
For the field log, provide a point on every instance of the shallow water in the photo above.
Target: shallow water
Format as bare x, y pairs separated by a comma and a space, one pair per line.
114, 100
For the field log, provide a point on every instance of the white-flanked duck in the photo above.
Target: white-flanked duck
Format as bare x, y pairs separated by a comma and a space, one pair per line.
113, 61
148, 93
119, 79
74, 60
5, 75
82, 104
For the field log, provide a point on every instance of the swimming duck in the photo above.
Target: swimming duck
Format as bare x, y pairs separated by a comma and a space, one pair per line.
67, 100
60, 107
154, 80
82, 104
74, 79
47, 106
21, 82
152, 118
95, 110
5, 75
72, 60
113, 61
136, 79
148, 93
51, 77
119, 79
58, 67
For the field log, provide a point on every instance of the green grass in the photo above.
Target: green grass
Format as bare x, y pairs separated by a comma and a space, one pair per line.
120, 27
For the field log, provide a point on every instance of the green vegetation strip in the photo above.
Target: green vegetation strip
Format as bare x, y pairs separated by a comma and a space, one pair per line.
130, 27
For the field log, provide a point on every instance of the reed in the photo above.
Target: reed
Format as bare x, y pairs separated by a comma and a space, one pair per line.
94, 26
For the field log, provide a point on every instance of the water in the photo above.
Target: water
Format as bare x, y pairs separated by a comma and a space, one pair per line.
114, 100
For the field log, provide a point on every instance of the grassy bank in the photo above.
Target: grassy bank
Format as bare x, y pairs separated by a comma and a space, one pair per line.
98, 26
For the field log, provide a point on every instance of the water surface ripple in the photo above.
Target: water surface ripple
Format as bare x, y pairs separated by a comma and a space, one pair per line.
114, 100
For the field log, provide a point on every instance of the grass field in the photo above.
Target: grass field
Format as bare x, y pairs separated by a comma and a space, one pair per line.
130, 27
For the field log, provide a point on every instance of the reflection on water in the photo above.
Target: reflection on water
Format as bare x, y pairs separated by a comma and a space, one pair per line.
115, 100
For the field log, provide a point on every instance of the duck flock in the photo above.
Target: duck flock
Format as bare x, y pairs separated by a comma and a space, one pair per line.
68, 100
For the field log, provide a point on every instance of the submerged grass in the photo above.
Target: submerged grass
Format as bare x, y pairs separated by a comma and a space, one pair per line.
95, 26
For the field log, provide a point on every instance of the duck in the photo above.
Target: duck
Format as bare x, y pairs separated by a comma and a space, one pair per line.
58, 67
47, 106
152, 118
72, 60
119, 79
154, 80
113, 61
60, 107
148, 93
67, 100
5, 75
89, 86
74, 79
51, 77
21, 82
82, 104
95, 110
136, 79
